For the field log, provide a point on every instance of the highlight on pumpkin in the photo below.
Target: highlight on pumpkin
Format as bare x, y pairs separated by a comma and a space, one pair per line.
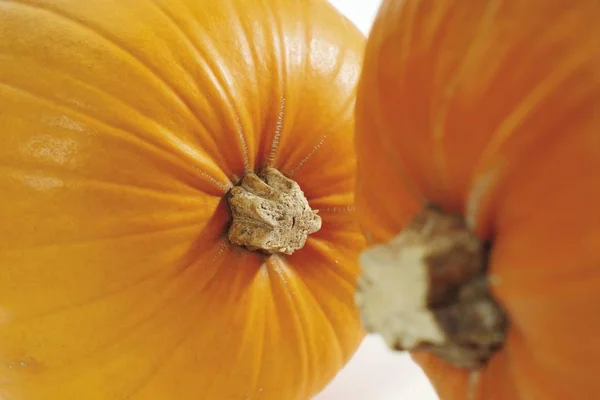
176, 199
478, 145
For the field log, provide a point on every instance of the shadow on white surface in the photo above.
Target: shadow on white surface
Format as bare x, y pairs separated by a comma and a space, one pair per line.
376, 373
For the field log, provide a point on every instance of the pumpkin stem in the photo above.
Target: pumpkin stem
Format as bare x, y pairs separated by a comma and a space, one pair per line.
427, 290
270, 213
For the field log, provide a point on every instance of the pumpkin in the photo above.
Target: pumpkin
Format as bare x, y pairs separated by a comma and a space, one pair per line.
478, 140
176, 210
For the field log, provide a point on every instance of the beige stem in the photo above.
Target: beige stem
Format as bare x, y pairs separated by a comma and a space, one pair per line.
270, 213
427, 289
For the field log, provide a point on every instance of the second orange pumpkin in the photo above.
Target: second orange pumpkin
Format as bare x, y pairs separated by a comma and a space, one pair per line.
478, 138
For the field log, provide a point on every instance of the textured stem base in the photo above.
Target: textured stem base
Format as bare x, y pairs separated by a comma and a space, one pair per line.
270, 213
427, 290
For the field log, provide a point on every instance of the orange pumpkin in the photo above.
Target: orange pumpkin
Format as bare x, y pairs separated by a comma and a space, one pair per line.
124, 126
478, 137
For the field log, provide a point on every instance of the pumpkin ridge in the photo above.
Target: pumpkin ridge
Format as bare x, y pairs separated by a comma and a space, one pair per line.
319, 306
217, 74
301, 322
277, 133
319, 246
187, 37
192, 299
312, 152
348, 105
111, 41
452, 88
276, 31
136, 137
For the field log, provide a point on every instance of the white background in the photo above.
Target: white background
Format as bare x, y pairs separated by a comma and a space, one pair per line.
375, 373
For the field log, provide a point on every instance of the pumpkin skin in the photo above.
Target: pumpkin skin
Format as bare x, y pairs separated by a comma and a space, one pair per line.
491, 110
123, 126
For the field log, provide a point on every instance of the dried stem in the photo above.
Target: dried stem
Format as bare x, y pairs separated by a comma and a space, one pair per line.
270, 213
427, 289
